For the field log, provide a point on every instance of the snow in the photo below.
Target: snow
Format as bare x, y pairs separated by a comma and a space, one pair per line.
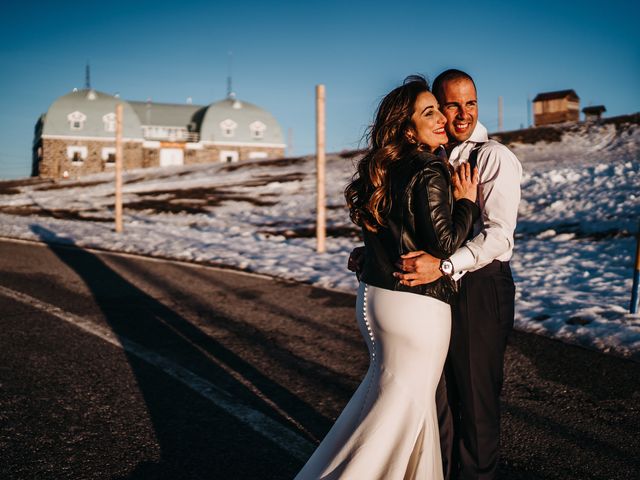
575, 244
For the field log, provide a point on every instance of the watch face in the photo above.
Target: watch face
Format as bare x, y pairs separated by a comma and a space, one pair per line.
447, 267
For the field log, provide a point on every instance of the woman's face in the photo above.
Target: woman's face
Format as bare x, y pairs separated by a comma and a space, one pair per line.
428, 122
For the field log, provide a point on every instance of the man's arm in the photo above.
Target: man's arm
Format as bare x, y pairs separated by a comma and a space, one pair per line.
499, 198
417, 268
356, 261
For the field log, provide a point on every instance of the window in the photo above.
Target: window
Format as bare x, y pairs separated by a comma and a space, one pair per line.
109, 156
257, 129
228, 127
76, 120
109, 122
228, 156
257, 155
169, 133
77, 154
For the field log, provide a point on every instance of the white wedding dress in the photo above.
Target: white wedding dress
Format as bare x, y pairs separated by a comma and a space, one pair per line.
389, 428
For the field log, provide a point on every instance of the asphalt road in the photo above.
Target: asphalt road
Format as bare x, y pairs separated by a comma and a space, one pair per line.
121, 367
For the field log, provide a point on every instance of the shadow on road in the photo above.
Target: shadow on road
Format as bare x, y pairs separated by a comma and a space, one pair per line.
586, 400
187, 450
599, 376
336, 339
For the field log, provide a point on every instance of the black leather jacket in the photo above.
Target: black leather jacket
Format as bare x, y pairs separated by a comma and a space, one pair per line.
423, 216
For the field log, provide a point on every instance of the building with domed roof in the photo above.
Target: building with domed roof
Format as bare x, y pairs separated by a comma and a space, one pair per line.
76, 136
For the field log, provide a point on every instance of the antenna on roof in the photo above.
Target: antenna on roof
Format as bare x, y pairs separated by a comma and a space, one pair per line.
87, 76
230, 93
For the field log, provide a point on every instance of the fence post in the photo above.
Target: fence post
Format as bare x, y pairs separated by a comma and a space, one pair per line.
636, 276
320, 161
118, 206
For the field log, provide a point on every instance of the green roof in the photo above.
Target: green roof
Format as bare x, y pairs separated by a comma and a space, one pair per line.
228, 121
244, 115
92, 106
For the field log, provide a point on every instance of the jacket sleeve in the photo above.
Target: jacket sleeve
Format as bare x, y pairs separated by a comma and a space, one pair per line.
440, 230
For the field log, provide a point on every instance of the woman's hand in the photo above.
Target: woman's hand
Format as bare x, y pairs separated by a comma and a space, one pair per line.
465, 182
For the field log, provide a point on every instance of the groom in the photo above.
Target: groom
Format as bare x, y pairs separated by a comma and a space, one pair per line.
468, 395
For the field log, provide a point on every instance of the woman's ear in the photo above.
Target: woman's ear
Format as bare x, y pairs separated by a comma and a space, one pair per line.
410, 136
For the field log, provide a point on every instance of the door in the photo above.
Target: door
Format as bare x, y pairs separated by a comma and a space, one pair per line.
171, 156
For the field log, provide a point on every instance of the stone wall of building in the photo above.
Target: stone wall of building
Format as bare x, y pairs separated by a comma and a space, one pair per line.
150, 157
55, 161
194, 156
207, 154
211, 153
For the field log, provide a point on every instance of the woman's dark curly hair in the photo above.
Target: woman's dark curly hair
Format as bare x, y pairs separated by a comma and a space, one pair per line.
388, 141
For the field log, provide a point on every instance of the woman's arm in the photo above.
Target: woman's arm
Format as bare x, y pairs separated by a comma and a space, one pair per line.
439, 231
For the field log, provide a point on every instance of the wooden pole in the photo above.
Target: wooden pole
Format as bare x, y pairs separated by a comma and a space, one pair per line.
290, 143
320, 161
118, 168
500, 115
636, 277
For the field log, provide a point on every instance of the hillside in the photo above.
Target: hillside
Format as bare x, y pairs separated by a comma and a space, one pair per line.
570, 143
554, 133
574, 243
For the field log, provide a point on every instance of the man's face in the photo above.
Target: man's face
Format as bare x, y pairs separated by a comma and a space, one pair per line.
459, 104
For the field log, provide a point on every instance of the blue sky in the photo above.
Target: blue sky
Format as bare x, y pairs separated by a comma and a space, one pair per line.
168, 51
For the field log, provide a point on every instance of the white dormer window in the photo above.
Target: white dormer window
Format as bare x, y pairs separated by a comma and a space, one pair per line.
228, 126
109, 122
257, 129
76, 120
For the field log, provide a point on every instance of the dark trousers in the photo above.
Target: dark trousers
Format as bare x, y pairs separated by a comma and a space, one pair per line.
468, 393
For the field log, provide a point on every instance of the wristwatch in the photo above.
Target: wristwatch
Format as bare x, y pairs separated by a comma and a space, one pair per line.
446, 267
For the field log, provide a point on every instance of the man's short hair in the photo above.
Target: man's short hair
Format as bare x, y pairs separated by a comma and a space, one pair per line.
447, 76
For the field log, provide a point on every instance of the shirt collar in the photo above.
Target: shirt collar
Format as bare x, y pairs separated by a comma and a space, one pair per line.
480, 134
461, 151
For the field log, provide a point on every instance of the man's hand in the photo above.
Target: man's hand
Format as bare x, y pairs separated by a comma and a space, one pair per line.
418, 268
356, 260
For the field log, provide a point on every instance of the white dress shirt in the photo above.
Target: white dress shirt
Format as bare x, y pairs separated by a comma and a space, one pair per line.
498, 198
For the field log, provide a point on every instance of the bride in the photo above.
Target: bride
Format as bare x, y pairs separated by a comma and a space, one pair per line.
404, 198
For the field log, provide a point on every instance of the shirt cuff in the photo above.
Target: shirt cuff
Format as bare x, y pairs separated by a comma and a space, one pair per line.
458, 275
462, 260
